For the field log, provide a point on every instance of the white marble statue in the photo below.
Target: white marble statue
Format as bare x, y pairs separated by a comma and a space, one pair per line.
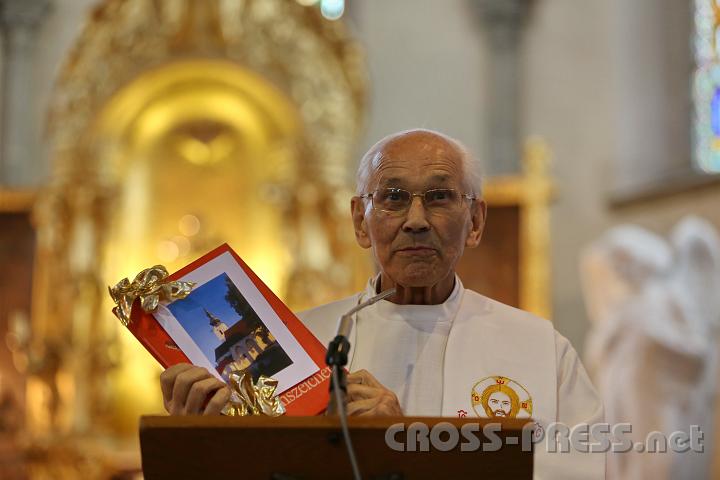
654, 306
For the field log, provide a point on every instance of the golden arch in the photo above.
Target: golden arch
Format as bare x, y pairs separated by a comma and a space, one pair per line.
165, 97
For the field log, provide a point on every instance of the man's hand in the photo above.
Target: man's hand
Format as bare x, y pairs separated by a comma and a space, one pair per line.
186, 389
368, 397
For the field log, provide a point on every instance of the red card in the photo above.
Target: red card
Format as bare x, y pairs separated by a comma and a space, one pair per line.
306, 397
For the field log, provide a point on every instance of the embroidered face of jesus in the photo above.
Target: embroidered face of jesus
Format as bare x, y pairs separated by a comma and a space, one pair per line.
500, 401
500, 404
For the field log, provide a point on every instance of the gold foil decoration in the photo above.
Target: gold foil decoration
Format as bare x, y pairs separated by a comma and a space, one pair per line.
151, 286
251, 399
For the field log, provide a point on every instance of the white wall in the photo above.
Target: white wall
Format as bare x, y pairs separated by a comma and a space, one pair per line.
426, 61
55, 36
650, 72
607, 85
569, 101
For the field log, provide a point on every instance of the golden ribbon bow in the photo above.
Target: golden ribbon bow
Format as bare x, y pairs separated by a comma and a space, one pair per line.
151, 286
247, 398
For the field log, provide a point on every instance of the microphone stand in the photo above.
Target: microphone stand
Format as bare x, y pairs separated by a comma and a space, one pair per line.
337, 358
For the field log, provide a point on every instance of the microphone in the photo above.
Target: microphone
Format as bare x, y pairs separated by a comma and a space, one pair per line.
337, 352
336, 359
346, 320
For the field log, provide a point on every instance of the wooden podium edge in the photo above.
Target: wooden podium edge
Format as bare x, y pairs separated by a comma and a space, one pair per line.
258, 421
312, 447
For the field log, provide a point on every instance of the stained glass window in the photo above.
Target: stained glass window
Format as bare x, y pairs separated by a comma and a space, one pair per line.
706, 86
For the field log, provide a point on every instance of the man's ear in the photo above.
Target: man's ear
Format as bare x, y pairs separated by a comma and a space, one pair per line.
357, 209
478, 216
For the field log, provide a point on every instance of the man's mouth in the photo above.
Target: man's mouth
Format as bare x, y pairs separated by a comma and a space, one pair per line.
499, 413
417, 250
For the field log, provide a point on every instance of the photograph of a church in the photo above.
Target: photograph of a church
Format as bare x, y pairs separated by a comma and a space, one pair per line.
228, 330
246, 346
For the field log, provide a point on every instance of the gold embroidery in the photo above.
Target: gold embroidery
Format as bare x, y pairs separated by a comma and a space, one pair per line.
500, 397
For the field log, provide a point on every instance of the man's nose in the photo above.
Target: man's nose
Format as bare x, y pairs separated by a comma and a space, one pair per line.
416, 220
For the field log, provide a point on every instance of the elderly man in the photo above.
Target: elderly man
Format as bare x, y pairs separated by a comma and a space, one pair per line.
434, 348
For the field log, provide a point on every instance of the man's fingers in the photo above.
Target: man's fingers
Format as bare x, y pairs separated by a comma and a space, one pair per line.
377, 406
167, 380
388, 404
361, 407
367, 396
353, 377
356, 391
183, 382
218, 401
384, 401
199, 393
365, 378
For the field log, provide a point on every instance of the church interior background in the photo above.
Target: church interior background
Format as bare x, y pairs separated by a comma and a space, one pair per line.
136, 132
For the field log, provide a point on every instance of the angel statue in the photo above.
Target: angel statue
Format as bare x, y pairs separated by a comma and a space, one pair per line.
654, 308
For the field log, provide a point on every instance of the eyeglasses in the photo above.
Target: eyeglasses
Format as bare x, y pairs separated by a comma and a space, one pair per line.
396, 201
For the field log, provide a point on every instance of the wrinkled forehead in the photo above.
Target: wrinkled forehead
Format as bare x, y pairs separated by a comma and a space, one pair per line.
417, 161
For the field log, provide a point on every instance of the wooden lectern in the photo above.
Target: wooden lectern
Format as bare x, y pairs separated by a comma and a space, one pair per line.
288, 448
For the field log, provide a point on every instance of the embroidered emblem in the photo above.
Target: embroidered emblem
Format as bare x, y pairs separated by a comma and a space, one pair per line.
500, 397
538, 431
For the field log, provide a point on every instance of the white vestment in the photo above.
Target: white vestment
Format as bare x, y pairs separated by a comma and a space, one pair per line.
438, 358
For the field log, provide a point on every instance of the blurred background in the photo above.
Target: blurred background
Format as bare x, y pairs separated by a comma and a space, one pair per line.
137, 132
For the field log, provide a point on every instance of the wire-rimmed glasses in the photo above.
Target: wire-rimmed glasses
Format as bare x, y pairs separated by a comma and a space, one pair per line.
396, 201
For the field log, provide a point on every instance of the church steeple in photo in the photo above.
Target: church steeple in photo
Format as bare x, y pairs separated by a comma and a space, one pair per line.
219, 327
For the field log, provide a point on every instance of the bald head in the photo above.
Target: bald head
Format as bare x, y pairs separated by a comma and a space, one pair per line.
421, 142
